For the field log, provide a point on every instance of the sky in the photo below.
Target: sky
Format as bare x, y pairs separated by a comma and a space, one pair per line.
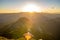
7, 6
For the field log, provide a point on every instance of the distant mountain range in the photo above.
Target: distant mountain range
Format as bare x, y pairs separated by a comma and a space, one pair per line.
44, 25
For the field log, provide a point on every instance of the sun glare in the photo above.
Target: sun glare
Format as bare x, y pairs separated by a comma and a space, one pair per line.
31, 8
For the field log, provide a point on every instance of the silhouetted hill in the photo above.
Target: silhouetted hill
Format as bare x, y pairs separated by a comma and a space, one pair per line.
47, 25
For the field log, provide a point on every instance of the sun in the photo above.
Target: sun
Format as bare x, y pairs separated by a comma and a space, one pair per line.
31, 8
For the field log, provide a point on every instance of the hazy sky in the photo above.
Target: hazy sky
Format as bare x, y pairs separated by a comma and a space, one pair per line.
16, 5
